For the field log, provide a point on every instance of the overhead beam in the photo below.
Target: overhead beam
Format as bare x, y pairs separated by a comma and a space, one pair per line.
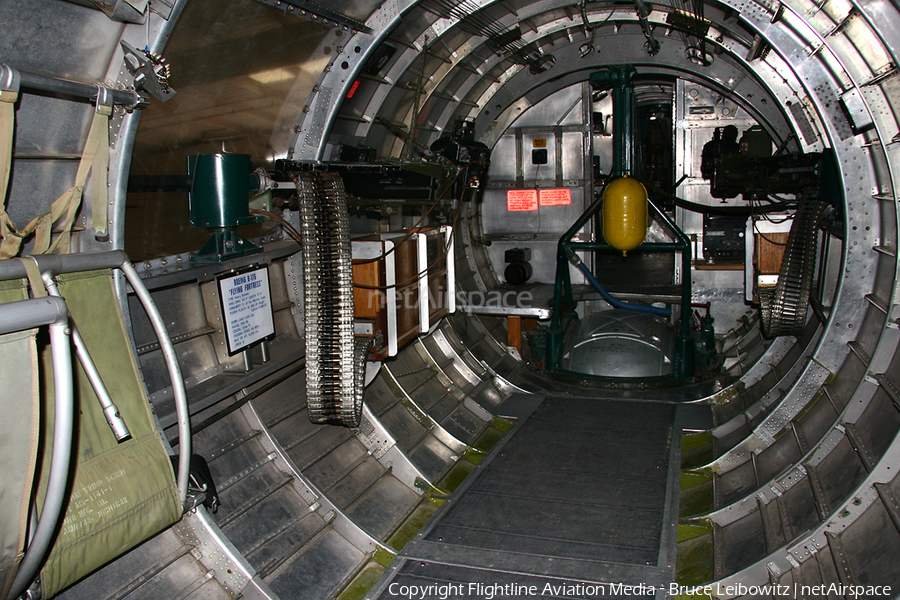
320, 14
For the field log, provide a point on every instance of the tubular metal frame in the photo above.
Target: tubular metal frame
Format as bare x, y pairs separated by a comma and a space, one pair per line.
13, 79
18, 315
684, 350
26, 314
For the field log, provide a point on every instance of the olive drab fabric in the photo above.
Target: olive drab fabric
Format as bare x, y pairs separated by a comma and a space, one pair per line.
19, 403
123, 493
94, 159
7, 129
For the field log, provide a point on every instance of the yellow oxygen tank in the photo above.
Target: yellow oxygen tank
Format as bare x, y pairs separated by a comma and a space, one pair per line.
625, 213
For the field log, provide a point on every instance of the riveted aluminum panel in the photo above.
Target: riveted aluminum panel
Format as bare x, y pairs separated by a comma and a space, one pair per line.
383, 506
318, 569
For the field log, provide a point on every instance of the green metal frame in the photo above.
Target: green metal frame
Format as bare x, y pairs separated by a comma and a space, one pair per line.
620, 80
684, 363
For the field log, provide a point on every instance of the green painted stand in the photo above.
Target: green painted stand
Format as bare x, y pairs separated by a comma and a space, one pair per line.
219, 201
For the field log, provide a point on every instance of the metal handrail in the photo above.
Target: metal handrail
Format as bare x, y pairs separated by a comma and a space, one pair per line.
51, 265
168, 350
27, 314
14, 79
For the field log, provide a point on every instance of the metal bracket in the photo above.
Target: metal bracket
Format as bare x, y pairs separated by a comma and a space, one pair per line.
104, 97
318, 13
10, 80
151, 73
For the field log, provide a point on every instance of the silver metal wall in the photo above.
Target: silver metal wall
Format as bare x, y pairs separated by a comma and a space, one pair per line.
802, 464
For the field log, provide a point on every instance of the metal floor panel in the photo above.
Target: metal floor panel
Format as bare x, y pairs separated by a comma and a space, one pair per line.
133, 570
383, 506
318, 570
582, 491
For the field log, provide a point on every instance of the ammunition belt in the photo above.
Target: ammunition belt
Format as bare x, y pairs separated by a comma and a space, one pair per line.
784, 307
335, 359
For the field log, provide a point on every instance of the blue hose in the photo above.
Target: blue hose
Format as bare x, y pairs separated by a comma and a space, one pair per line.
644, 308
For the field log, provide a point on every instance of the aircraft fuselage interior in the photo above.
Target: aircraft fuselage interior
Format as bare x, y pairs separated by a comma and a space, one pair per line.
449, 299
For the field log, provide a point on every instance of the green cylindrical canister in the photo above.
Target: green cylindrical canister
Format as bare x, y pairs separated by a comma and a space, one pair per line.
219, 190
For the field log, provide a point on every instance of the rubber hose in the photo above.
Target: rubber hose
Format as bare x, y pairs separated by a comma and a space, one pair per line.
644, 308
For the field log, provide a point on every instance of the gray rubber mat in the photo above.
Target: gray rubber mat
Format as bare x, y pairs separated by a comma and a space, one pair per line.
580, 492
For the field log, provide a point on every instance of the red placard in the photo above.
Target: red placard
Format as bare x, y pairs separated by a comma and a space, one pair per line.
560, 197
521, 200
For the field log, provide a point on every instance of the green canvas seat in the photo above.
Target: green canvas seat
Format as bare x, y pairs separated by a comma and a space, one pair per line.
122, 493
19, 404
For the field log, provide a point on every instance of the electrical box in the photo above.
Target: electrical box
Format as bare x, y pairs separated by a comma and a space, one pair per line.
723, 238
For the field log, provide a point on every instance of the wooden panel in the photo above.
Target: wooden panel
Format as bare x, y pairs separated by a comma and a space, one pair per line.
371, 304
367, 303
770, 252
407, 269
407, 313
407, 291
438, 301
514, 332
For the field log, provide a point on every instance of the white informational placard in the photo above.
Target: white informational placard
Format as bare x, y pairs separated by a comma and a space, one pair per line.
246, 308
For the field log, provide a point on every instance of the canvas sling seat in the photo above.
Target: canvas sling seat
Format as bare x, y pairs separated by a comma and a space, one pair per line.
122, 493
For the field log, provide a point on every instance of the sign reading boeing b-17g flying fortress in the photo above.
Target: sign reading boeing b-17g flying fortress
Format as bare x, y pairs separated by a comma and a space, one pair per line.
246, 308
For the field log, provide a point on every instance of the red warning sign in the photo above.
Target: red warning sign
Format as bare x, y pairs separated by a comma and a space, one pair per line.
561, 197
521, 200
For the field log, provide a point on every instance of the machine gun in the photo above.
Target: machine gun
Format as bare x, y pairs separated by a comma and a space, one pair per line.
756, 178
749, 169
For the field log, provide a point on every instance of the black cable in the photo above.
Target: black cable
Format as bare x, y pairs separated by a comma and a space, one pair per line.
763, 236
734, 211
778, 221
